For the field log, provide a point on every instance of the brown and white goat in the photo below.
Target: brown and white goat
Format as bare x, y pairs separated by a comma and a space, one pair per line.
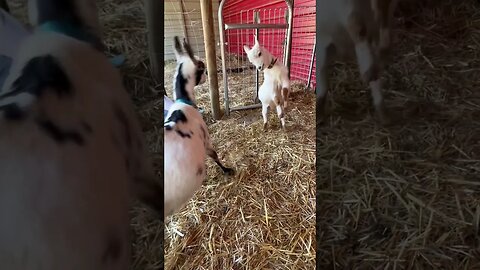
363, 25
71, 149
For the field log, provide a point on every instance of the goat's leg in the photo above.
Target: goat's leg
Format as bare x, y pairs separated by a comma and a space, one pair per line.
285, 93
213, 154
265, 115
281, 115
278, 100
369, 67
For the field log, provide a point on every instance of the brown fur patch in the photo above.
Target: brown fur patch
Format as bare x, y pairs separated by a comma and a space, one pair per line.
278, 100
285, 91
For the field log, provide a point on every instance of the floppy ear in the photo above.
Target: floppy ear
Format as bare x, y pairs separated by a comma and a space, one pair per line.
246, 49
177, 47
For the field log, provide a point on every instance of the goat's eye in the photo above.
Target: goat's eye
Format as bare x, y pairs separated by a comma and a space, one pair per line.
259, 54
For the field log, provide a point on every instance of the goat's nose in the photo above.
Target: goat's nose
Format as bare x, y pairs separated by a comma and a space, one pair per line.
206, 72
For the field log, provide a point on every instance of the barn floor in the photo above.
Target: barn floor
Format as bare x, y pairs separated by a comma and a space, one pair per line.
406, 196
264, 217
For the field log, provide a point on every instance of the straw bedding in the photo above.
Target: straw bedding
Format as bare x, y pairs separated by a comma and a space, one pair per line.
406, 196
262, 218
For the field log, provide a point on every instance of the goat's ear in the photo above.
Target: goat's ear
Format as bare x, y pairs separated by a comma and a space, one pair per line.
256, 39
246, 48
189, 50
177, 47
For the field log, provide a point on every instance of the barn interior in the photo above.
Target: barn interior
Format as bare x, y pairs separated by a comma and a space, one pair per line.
264, 217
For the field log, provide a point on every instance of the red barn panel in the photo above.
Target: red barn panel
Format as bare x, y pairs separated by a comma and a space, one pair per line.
273, 11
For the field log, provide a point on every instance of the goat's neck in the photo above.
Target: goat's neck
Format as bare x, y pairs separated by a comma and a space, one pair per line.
64, 17
183, 90
270, 60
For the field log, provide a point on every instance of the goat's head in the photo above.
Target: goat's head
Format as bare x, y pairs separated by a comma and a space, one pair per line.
258, 56
190, 71
79, 16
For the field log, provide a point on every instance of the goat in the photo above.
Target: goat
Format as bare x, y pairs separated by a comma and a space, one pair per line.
187, 141
360, 24
276, 84
72, 154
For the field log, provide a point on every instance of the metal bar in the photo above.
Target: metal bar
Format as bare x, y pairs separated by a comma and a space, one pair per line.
255, 26
257, 73
289, 35
311, 64
248, 107
222, 51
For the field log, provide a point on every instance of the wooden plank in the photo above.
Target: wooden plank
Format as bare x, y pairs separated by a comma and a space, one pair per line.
182, 10
154, 10
209, 38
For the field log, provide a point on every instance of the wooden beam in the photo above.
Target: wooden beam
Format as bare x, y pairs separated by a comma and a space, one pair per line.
185, 30
210, 55
154, 13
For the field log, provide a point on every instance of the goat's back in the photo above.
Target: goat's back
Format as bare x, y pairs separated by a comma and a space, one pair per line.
184, 157
64, 159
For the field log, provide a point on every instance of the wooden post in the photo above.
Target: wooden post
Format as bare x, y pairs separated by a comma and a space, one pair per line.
154, 10
210, 55
184, 20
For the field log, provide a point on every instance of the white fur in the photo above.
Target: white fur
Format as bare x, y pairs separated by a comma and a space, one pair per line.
61, 204
184, 158
273, 93
340, 26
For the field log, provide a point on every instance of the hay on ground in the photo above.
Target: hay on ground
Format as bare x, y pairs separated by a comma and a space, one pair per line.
406, 196
263, 217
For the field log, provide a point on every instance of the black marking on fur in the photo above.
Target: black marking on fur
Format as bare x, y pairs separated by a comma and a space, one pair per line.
122, 118
183, 134
58, 10
59, 135
12, 112
66, 12
180, 85
177, 116
200, 71
39, 74
113, 250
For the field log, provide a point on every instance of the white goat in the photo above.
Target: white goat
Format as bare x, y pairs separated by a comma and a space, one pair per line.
360, 24
187, 141
276, 84
71, 149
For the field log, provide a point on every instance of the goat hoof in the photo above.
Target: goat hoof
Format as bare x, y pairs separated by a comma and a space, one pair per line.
383, 117
229, 171
265, 127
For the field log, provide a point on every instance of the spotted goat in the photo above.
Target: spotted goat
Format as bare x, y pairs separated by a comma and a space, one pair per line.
72, 154
276, 85
187, 141
354, 29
